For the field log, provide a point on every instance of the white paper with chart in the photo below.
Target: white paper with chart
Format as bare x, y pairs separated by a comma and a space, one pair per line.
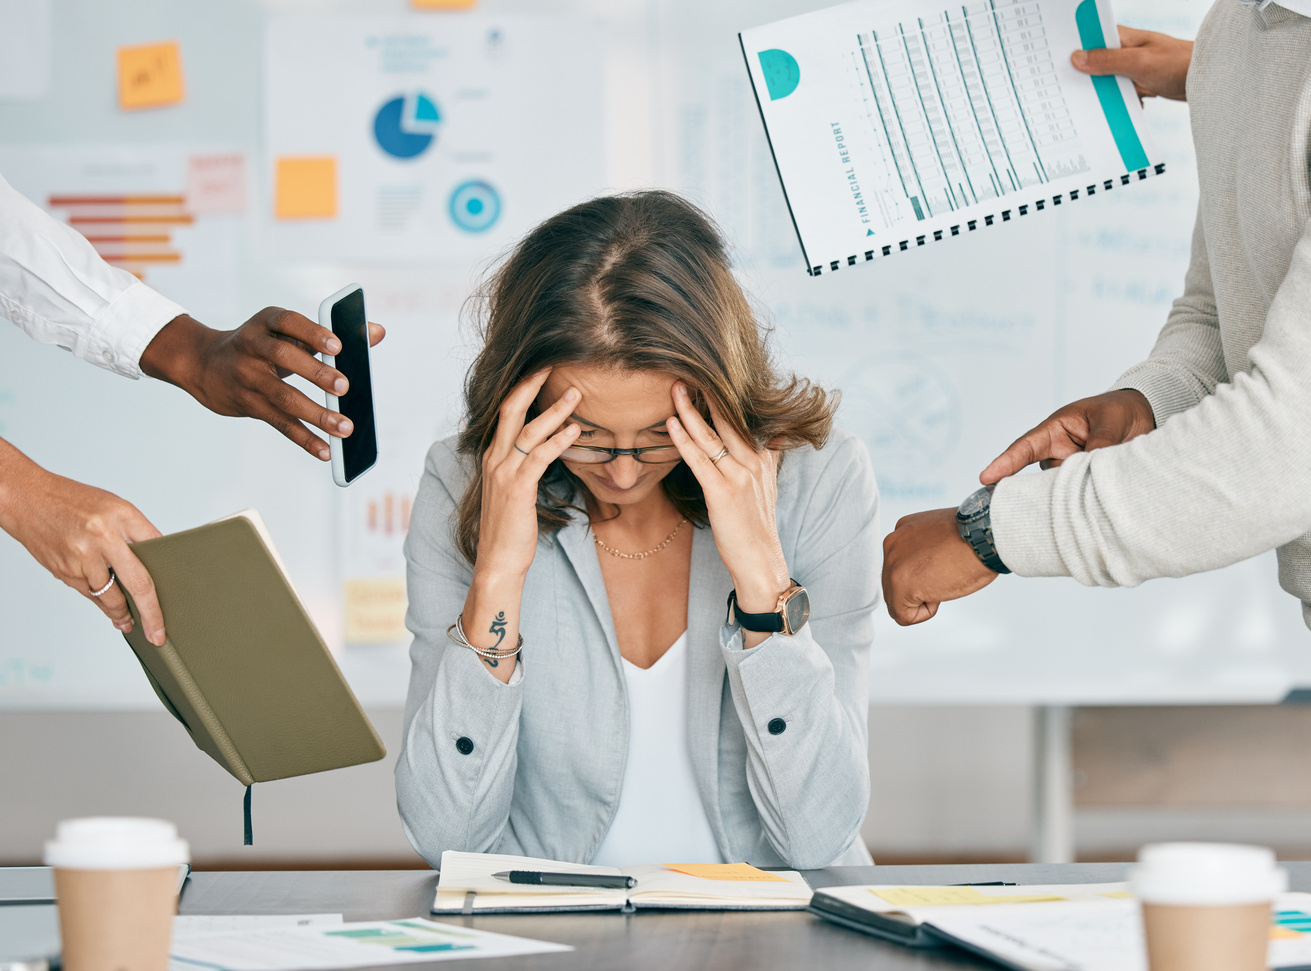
897, 126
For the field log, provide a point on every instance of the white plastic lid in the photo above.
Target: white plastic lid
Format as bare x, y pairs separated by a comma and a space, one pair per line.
1206, 874
116, 843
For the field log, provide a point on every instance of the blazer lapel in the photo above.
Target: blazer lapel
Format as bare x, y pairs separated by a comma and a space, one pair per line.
707, 591
576, 541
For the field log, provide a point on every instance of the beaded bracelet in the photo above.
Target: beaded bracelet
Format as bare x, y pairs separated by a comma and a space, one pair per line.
456, 633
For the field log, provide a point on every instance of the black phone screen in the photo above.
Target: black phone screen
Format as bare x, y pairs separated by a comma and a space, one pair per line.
349, 323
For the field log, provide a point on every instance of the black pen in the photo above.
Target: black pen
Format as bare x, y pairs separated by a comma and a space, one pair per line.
602, 880
987, 883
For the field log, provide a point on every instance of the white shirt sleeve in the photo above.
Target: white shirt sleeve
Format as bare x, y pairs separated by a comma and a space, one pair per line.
56, 287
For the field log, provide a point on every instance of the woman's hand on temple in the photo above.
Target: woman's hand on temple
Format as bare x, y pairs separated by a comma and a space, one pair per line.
741, 491
512, 467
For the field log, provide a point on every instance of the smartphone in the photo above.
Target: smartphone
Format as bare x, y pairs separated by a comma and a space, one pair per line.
343, 314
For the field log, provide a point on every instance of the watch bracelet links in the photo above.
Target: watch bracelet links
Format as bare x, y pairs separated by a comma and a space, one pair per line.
979, 536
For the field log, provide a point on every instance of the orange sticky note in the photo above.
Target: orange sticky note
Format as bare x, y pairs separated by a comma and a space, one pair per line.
443, 4
741, 872
305, 187
150, 76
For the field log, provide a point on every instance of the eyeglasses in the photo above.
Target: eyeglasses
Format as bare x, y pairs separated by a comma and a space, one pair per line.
595, 455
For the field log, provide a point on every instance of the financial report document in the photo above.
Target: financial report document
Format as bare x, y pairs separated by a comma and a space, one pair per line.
896, 125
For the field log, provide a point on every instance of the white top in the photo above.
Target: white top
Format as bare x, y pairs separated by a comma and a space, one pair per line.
660, 818
56, 287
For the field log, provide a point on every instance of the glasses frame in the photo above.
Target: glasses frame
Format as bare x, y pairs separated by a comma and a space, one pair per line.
636, 453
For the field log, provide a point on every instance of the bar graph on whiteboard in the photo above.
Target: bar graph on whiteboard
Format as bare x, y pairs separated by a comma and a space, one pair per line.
134, 232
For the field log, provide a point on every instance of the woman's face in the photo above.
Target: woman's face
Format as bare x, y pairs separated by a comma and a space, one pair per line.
618, 409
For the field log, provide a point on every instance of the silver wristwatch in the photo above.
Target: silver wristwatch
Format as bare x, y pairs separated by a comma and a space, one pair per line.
974, 521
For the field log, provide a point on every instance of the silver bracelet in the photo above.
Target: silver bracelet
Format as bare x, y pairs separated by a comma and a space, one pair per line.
456, 633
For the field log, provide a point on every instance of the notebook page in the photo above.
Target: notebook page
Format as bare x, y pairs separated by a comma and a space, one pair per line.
465, 872
893, 125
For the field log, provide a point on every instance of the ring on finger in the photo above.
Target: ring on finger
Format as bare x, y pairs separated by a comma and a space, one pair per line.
518, 449
108, 583
714, 459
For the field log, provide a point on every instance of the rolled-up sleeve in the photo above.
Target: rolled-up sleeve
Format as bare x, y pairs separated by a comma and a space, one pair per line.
455, 774
803, 700
56, 287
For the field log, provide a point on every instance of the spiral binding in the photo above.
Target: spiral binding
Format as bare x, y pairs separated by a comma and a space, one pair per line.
970, 225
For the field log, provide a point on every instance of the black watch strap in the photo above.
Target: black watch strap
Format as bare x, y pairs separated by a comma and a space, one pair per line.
770, 623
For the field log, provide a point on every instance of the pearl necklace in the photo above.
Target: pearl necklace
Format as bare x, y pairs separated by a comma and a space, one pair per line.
640, 556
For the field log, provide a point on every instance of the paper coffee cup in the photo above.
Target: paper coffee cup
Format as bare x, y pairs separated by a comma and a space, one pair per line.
1206, 906
116, 887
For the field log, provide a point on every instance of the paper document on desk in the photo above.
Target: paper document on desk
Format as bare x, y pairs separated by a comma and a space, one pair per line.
354, 945
1096, 936
893, 126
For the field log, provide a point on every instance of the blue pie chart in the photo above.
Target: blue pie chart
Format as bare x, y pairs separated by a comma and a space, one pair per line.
475, 206
405, 126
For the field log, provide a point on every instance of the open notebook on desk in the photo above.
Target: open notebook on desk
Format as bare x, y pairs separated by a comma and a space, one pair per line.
467, 886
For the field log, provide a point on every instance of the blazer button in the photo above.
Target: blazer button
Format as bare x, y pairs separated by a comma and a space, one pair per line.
777, 726
464, 745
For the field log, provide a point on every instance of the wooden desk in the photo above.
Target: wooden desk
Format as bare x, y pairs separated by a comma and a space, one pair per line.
647, 939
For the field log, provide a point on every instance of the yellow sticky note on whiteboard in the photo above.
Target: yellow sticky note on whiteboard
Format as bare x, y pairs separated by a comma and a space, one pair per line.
150, 76
952, 896
743, 872
305, 187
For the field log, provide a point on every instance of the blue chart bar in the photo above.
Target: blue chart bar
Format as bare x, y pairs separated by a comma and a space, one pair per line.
1108, 91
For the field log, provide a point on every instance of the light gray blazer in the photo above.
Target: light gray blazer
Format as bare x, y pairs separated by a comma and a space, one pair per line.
535, 767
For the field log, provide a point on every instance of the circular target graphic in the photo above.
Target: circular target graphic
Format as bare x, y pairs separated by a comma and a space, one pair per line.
475, 206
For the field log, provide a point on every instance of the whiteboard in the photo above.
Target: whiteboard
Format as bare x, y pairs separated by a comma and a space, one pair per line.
944, 356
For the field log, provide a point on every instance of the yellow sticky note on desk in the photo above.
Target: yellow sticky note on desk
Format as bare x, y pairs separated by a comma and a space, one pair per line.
952, 897
443, 4
150, 76
744, 872
305, 187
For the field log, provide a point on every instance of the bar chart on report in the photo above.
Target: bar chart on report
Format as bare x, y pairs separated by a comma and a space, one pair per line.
966, 107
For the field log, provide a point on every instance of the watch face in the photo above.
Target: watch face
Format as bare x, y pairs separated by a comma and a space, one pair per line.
975, 504
798, 610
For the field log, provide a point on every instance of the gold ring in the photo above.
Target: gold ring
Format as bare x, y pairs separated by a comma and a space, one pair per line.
722, 452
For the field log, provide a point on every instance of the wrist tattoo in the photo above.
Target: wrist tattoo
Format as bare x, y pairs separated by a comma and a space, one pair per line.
497, 628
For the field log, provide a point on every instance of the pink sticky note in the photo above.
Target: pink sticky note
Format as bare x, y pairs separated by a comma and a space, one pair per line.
216, 183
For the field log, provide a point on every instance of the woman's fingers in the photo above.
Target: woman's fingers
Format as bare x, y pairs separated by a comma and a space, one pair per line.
737, 446
693, 454
513, 412
693, 424
540, 457
548, 422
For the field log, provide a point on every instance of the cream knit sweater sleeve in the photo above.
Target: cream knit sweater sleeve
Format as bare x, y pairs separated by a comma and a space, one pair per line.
1188, 360
1221, 481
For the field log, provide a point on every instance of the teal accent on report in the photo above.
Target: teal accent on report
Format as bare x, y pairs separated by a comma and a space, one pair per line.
782, 75
1108, 91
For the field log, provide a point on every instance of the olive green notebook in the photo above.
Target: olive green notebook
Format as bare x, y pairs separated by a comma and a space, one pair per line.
243, 668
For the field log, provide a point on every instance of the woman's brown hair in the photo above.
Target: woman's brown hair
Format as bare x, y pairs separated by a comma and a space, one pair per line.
638, 282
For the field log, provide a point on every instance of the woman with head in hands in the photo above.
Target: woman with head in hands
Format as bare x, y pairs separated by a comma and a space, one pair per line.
581, 689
